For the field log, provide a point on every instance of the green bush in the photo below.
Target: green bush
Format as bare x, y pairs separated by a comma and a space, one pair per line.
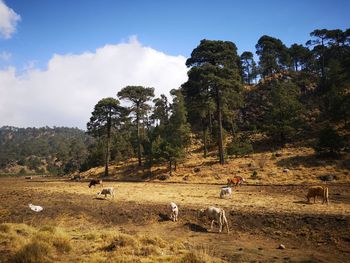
254, 175
22, 171
329, 141
239, 148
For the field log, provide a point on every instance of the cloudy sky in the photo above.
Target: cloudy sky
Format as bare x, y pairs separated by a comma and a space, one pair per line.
58, 58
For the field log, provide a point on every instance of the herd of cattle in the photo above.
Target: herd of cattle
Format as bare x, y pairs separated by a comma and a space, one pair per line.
216, 214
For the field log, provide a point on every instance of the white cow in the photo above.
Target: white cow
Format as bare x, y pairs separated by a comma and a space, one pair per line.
107, 191
226, 192
216, 214
174, 211
36, 208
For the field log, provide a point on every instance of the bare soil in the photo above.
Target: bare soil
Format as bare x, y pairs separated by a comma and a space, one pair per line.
260, 217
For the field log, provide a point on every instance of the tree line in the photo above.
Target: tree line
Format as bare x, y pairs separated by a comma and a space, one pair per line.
290, 92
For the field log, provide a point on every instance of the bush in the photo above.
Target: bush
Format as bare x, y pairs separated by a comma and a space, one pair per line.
55, 170
199, 256
22, 171
329, 141
239, 148
40, 170
34, 252
33, 163
255, 175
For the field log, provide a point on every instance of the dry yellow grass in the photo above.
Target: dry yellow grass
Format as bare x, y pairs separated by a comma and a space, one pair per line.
26, 244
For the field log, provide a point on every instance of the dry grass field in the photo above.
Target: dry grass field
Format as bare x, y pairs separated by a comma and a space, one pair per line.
78, 226
270, 209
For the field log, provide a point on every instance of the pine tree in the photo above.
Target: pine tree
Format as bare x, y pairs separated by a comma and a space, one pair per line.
215, 72
139, 96
282, 118
105, 117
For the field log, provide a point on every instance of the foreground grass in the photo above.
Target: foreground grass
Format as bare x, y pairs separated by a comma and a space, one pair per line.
20, 243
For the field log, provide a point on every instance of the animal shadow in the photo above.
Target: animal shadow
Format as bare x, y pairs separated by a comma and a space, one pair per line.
303, 202
163, 217
99, 198
196, 228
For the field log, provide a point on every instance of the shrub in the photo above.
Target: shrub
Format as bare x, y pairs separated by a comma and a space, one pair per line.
199, 256
121, 241
22, 171
329, 141
254, 175
5, 228
240, 147
35, 252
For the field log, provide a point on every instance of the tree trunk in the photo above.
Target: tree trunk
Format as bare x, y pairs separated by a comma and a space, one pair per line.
205, 150
233, 128
108, 145
170, 166
210, 123
248, 74
322, 63
138, 135
220, 139
282, 138
175, 165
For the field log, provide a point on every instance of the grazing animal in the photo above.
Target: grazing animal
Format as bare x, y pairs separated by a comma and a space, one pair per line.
107, 191
235, 181
28, 177
174, 211
315, 191
226, 192
35, 208
94, 182
216, 214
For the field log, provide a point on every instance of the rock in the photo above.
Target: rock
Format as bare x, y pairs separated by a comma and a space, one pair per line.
197, 170
272, 174
278, 154
327, 178
186, 178
163, 177
281, 246
285, 170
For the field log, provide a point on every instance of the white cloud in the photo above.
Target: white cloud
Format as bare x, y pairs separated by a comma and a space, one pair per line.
5, 56
8, 20
65, 93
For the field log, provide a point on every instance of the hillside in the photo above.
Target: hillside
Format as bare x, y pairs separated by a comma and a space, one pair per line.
289, 165
42, 150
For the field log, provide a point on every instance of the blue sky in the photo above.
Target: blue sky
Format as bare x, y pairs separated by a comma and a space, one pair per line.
173, 27
59, 57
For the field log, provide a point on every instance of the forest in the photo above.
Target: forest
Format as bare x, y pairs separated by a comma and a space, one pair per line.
232, 104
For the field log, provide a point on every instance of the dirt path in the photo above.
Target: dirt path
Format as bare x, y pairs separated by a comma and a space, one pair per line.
260, 217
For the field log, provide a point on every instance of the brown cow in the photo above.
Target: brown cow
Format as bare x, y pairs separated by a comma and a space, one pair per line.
235, 181
94, 182
315, 191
